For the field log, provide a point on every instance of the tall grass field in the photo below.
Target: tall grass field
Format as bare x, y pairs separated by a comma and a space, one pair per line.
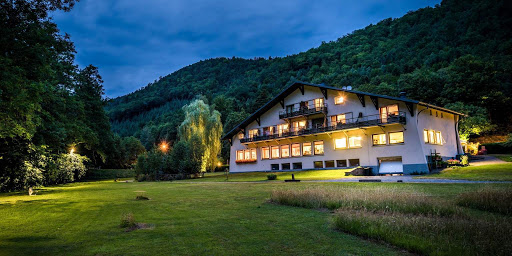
416, 221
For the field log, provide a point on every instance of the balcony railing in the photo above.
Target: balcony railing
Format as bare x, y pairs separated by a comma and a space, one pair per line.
309, 109
351, 123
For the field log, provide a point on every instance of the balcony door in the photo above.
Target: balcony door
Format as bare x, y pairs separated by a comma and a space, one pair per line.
388, 111
319, 103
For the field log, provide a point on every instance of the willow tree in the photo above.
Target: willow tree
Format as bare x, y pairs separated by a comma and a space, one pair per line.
202, 124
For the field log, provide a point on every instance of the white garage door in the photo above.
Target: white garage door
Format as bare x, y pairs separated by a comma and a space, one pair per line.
391, 166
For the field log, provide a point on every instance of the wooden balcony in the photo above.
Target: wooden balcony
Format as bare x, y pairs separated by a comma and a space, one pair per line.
348, 124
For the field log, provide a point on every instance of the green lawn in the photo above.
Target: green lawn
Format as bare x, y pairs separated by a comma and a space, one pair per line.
189, 218
262, 176
504, 157
494, 172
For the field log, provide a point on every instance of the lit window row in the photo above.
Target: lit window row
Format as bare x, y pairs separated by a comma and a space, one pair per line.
432, 137
294, 150
353, 142
394, 138
246, 155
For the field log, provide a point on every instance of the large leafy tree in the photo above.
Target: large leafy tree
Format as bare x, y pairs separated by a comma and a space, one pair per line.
202, 129
47, 104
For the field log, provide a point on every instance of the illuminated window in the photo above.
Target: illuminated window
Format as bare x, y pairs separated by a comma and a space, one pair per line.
306, 148
425, 136
393, 109
247, 154
265, 153
319, 103
431, 137
319, 147
253, 133
439, 138
339, 100
239, 155
379, 139
396, 137
340, 143
274, 152
285, 150
267, 131
338, 119
299, 125
240, 136
296, 149
355, 142
282, 128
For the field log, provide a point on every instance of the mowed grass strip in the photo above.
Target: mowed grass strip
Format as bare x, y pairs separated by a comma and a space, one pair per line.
262, 176
493, 172
413, 219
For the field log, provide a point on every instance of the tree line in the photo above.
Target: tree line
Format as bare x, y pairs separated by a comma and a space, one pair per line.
53, 125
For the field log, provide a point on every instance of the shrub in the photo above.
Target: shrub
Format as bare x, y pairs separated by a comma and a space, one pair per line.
99, 174
498, 148
128, 221
271, 176
486, 199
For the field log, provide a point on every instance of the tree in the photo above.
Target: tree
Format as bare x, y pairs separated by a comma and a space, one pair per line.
476, 123
202, 129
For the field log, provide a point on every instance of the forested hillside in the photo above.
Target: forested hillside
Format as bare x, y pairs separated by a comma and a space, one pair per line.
457, 55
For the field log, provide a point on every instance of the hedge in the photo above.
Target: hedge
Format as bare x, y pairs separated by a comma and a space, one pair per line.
102, 174
497, 148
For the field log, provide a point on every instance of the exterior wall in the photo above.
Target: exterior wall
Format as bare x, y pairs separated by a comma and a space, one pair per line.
413, 151
446, 125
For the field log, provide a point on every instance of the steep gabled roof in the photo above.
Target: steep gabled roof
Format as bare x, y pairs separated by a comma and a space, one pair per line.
288, 90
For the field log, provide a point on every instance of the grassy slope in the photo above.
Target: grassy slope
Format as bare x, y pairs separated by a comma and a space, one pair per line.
495, 172
192, 219
262, 176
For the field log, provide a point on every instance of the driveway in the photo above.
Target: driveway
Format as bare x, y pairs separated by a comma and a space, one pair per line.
405, 179
485, 160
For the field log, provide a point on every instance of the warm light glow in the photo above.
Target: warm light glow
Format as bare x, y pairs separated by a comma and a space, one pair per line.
72, 150
164, 146
339, 100
219, 164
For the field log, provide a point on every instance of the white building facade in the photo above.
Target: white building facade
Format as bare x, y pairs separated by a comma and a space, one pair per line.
310, 126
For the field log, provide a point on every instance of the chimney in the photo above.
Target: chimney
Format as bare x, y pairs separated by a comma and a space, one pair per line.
403, 95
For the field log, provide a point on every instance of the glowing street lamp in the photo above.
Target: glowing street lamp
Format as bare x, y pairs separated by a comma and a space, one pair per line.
72, 150
164, 146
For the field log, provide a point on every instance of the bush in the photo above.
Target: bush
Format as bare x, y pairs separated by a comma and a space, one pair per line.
101, 174
66, 168
128, 221
271, 176
498, 148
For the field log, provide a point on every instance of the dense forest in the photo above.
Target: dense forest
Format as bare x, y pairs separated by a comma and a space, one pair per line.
457, 55
53, 125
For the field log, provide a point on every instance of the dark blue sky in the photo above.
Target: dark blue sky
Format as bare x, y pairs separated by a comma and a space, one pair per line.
133, 42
